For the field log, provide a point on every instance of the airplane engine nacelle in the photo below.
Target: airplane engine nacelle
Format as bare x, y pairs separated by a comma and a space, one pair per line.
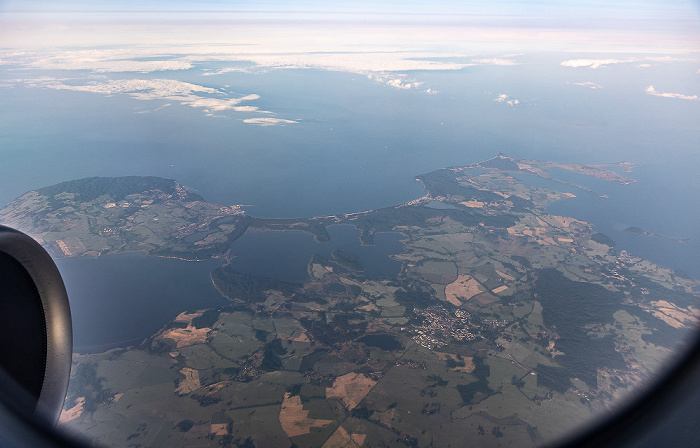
36, 339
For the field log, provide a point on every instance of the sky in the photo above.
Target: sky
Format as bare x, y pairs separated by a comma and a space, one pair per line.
643, 16
642, 7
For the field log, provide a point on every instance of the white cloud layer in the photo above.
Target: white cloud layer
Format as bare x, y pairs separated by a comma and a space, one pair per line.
598, 63
148, 59
268, 121
226, 70
193, 95
148, 111
503, 98
384, 64
651, 91
140, 89
495, 61
591, 63
397, 80
104, 61
588, 84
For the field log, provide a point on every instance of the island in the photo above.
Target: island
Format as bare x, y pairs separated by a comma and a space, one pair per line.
641, 232
506, 325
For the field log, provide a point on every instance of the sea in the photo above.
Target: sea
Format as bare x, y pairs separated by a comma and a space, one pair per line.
357, 144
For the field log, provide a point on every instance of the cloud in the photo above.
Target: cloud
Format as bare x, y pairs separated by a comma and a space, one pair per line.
385, 65
103, 61
226, 70
278, 55
591, 63
148, 111
589, 84
495, 61
265, 54
221, 104
193, 95
597, 63
651, 91
351, 61
250, 109
141, 89
218, 104
268, 121
382, 63
397, 80
503, 98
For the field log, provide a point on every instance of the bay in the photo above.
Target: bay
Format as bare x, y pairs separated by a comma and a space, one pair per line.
284, 255
658, 202
119, 300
